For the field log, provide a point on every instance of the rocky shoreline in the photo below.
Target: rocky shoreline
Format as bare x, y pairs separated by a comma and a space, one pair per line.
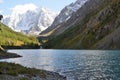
11, 71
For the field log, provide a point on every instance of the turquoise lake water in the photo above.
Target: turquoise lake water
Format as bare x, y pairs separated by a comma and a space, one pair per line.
74, 64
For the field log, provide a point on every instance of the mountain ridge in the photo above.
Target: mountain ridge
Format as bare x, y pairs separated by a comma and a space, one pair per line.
97, 28
64, 15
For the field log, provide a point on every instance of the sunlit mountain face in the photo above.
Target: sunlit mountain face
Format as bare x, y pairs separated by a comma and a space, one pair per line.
30, 20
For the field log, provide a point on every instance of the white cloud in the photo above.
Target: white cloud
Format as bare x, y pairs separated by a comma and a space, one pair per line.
1, 1
24, 8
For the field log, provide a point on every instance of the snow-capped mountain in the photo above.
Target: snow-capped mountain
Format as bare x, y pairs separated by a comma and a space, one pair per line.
30, 20
65, 14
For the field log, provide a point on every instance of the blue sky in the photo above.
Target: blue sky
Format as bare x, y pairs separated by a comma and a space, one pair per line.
55, 5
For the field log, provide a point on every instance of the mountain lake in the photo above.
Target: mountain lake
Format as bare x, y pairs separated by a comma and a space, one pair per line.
74, 64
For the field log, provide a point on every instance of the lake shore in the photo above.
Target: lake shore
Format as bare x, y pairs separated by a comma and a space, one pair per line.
11, 71
5, 54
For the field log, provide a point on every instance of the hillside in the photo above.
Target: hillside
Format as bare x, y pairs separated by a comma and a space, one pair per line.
10, 39
96, 25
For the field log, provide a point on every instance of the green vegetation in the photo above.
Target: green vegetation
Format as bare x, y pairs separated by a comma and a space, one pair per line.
83, 36
10, 38
11, 71
16, 69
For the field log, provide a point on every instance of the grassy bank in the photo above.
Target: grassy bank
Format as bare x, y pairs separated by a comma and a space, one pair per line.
11, 71
10, 38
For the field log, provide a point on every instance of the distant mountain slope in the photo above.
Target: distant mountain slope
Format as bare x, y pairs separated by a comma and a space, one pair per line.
10, 38
30, 21
96, 25
64, 15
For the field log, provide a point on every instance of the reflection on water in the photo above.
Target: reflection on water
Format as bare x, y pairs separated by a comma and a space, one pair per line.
75, 64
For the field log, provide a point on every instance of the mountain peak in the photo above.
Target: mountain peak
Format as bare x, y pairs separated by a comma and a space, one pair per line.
65, 14
44, 9
24, 18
